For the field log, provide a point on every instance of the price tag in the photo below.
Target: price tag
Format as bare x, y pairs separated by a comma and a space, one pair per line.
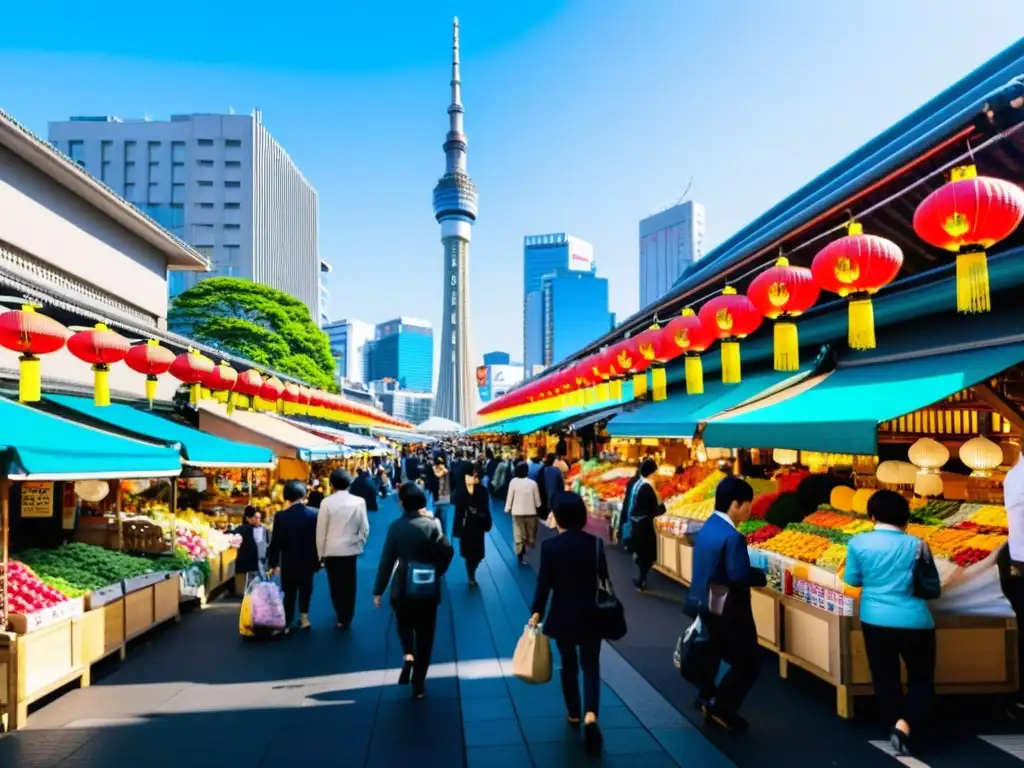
36, 500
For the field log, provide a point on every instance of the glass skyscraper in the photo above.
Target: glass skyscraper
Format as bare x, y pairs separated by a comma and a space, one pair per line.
403, 352
544, 255
574, 313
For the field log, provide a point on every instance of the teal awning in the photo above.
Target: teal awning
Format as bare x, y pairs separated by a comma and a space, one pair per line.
679, 415
841, 413
525, 425
197, 448
38, 446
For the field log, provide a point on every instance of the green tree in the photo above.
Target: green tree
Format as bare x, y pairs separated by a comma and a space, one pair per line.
259, 323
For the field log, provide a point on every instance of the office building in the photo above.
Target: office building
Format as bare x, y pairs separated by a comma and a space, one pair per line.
414, 407
543, 255
670, 241
351, 342
324, 294
497, 358
574, 313
219, 182
403, 352
495, 379
455, 208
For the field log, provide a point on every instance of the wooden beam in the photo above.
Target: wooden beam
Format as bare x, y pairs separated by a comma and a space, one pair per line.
1005, 408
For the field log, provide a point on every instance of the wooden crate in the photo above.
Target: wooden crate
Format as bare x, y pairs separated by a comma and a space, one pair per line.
668, 554
228, 559
102, 632
165, 600
139, 614
685, 560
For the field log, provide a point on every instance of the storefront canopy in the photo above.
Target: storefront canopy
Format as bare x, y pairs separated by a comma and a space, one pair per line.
350, 440
38, 446
278, 435
679, 415
398, 435
842, 411
197, 448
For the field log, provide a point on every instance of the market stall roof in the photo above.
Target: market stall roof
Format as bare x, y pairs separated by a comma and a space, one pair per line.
197, 448
525, 425
351, 440
841, 412
278, 435
398, 435
436, 425
39, 446
680, 414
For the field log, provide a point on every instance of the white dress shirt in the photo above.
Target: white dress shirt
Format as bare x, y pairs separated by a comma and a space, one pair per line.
342, 526
523, 497
1013, 499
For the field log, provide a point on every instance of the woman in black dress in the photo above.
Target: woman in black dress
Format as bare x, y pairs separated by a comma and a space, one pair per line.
472, 521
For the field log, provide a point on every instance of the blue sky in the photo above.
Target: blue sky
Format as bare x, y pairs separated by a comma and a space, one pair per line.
583, 115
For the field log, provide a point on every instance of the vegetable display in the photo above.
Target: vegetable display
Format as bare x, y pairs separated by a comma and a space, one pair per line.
27, 593
80, 568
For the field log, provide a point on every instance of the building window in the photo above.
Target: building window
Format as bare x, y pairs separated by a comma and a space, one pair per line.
232, 163
232, 226
205, 142
178, 152
129, 152
205, 251
232, 206
204, 183
152, 193
76, 151
232, 184
129, 192
105, 161
177, 194
153, 149
232, 142
204, 205
205, 163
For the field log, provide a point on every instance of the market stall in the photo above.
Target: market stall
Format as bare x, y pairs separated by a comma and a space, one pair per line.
84, 602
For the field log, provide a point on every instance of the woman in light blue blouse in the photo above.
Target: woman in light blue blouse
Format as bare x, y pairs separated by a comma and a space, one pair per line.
896, 623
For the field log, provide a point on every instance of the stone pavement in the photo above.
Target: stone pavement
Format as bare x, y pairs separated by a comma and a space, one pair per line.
196, 694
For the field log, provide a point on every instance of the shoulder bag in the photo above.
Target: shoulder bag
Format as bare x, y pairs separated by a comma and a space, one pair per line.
926, 576
609, 614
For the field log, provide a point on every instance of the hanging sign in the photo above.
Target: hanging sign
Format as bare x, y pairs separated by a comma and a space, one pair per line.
36, 500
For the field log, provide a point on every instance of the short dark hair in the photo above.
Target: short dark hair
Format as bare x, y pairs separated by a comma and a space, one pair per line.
250, 512
648, 467
732, 489
439, 460
570, 511
550, 459
522, 470
294, 490
340, 480
411, 498
890, 508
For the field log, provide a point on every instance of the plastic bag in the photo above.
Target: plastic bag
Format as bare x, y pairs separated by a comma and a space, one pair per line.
245, 618
267, 605
531, 661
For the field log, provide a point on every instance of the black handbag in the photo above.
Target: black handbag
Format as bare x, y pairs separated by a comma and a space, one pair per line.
420, 582
926, 576
608, 611
694, 656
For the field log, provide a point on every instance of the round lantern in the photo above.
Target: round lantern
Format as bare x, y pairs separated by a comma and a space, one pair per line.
785, 457
967, 216
30, 333
192, 368
151, 360
99, 347
691, 337
657, 349
856, 267
928, 455
782, 293
610, 363
290, 399
630, 361
730, 317
981, 455
896, 473
221, 382
270, 393
928, 484
305, 393
247, 388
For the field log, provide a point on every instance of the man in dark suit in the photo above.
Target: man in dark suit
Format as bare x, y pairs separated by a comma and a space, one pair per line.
362, 487
459, 469
293, 551
720, 596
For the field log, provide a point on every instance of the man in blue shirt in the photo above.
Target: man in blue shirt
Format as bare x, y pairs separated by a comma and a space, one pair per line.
720, 596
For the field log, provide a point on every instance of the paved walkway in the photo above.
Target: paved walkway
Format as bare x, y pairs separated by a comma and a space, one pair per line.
196, 694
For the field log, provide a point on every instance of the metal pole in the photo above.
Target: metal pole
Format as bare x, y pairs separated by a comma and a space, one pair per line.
120, 520
5, 520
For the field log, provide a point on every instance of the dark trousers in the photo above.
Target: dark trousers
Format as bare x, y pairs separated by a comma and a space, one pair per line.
341, 578
576, 656
733, 641
1013, 588
885, 647
471, 565
416, 624
296, 584
644, 566
441, 514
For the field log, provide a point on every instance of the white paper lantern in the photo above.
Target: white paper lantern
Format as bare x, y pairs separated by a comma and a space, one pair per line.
981, 455
92, 490
896, 473
929, 455
928, 484
785, 457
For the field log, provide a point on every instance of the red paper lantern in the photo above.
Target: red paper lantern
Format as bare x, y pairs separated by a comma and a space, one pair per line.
782, 293
247, 388
271, 392
688, 334
99, 347
730, 317
151, 360
856, 267
967, 216
30, 333
192, 368
291, 397
629, 362
221, 382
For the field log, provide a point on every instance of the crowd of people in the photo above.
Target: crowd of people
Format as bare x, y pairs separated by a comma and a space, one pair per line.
451, 490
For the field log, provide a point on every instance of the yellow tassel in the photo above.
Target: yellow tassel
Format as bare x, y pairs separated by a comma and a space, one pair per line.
101, 384
694, 375
603, 392
151, 384
640, 385
787, 347
221, 396
231, 402
862, 324
972, 291
731, 371
659, 382
195, 391
30, 380
615, 389
241, 401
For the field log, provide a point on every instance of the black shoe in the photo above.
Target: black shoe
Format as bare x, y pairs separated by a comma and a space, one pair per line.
419, 692
728, 721
406, 673
593, 741
899, 741
472, 583
640, 584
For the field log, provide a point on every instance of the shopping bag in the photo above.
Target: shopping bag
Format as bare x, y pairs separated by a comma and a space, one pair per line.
267, 606
531, 662
245, 618
695, 656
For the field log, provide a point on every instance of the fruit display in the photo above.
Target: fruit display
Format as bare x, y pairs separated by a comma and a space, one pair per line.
762, 504
81, 568
797, 546
763, 533
832, 559
27, 592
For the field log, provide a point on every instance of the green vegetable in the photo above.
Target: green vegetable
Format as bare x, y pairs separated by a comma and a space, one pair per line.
77, 569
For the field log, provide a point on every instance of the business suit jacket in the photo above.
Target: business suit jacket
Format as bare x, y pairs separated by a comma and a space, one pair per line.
720, 557
411, 539
293, 545
569, 568
362, 487
644, 509
248, 558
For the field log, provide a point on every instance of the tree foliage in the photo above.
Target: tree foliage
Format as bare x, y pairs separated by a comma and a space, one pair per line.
259, 323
